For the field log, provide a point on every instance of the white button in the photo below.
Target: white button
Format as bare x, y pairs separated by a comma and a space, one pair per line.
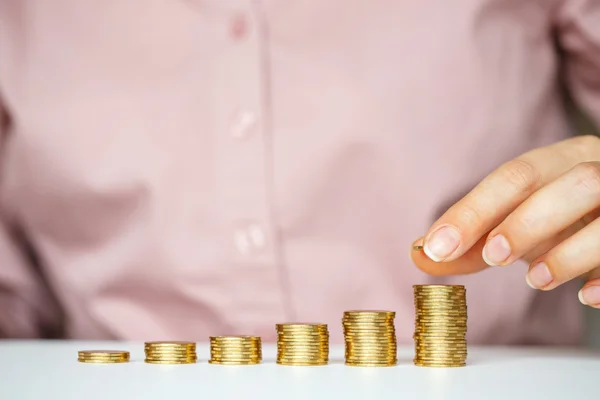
243, 124
249, 239
257, 236
241, 241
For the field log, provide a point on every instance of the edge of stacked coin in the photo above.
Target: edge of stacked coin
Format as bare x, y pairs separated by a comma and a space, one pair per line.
170, 352
440, 325
235, 350
302, 344
370, 338
103, 356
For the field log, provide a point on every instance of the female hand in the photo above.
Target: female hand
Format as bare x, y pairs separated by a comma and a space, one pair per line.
542, 207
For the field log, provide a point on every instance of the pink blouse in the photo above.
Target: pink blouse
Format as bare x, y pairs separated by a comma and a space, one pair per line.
179, 169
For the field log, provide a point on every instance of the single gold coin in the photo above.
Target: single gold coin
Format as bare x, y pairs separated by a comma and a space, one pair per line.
170, 362
241, 362
371, 364
103, 356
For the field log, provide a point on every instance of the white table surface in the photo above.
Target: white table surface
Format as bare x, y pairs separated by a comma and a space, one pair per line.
49, 370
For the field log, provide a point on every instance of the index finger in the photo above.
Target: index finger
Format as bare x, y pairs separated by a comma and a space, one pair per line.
492, 200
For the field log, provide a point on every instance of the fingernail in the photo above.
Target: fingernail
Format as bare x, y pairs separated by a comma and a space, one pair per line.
590, 295
442, 243
539, 276
496, 251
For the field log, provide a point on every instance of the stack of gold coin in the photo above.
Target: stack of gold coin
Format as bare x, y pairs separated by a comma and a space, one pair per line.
440, 325
170, 352
235, 350
302, 344
103, 356
370, 338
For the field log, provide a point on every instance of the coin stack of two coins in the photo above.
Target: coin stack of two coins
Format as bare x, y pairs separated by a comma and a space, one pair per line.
440, 325
103, 356
302, 344
370, 338
170, 352
235, 350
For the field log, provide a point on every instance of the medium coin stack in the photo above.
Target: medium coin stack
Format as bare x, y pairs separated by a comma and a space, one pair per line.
302, 344
440, 325
103, 356
370, 338
170, 352
235, 350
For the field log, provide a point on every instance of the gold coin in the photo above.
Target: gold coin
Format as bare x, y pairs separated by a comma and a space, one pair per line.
243, 355
302, 361
103, 358
300, 346
371, 349
285, 339
236, 338
104, 353
216, 362
170, 362
367, 364
439, 287
431, 347
370, 356
439, 313
177, 345
442, 323
440, 356
174, 352
235, 345
302, 351
425, 308
237, 356
366, 331
438, 365
439, 335
442, 326
441, 353
170, 353
459, 302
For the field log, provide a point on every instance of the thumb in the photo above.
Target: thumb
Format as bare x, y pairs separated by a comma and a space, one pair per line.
468, 263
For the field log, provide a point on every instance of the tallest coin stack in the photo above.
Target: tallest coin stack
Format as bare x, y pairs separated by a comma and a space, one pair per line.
440, 325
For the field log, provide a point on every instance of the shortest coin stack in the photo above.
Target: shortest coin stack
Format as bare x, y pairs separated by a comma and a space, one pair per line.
302, 344
103, 356
235, 350
170, 352
440, 325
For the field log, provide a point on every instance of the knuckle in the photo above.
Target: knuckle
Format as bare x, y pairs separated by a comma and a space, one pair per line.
523, 176
588, 177
469, 215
